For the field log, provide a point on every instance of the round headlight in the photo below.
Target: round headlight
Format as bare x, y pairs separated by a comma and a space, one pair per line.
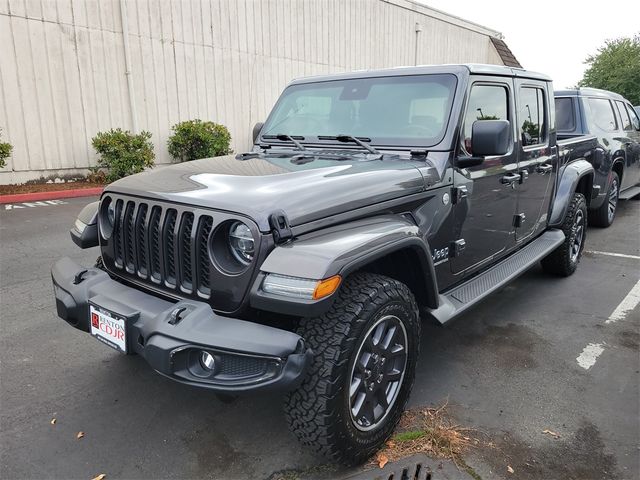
241, 242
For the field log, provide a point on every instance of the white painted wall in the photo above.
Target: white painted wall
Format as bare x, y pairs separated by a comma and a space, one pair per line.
62, 64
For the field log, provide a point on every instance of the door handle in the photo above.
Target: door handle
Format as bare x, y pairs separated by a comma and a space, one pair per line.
544, 168
510, 178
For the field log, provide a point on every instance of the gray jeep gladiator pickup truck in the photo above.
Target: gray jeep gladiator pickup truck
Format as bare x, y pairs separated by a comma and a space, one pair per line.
369, 200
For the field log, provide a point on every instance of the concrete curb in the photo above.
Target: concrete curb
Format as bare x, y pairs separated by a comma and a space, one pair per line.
53, 195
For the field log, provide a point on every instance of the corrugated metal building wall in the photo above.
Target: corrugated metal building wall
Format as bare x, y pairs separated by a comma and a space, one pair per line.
63, 76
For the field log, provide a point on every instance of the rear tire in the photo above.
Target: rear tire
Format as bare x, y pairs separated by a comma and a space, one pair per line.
563, 261
604, 215
339, 409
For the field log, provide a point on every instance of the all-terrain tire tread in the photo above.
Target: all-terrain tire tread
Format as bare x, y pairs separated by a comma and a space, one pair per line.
600, 216
559, 261
310, 409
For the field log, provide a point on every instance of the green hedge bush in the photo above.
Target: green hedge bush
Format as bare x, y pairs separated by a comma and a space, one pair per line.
123, 153
194, 139
5, 151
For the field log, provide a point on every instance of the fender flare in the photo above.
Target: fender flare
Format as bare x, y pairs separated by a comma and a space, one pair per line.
570, 177
342, 250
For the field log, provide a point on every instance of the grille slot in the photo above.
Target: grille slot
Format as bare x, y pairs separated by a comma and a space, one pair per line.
202, 255
118, 241
141, 239
186, 228
154, 244
129, 238
169, 243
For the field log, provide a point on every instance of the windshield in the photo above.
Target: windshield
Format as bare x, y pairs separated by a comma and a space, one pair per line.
395, 111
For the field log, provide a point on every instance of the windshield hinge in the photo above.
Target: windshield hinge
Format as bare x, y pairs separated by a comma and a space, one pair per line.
280, 228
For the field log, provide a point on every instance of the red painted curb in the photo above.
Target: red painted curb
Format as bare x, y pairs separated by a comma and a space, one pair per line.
53, 195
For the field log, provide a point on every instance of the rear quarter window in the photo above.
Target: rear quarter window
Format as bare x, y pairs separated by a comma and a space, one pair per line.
565, 115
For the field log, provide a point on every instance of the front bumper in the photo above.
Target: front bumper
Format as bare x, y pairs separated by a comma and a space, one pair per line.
170, 336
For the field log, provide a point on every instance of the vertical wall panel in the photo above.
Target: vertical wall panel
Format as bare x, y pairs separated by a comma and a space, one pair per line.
62, 68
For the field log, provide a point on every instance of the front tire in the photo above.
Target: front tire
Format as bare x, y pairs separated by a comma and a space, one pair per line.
365, 352
563, 261
604, 215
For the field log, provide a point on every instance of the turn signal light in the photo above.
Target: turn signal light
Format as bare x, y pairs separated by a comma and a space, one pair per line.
326, 287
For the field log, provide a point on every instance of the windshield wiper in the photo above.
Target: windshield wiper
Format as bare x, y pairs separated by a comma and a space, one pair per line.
350, 138
284, 137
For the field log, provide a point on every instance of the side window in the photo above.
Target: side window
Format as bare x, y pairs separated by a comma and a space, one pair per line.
635, 121
602, 114
624, 116
565, 115
486, 102
531, 116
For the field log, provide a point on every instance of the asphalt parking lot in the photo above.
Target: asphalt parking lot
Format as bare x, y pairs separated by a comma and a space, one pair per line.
542, 354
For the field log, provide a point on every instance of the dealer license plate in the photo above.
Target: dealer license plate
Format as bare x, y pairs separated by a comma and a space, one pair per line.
109, 328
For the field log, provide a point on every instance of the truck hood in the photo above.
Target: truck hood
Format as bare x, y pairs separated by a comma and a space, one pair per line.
305, 190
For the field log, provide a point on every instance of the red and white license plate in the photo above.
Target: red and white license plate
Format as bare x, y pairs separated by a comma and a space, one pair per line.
109, 328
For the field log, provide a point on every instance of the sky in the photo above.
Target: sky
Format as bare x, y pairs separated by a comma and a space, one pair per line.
551, 37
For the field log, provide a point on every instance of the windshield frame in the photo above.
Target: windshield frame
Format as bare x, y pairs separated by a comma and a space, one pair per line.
377, 142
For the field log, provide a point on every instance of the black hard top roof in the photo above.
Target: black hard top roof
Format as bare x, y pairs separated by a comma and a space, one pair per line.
468, 68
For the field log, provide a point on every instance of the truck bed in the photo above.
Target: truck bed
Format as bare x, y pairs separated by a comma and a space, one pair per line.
573, 147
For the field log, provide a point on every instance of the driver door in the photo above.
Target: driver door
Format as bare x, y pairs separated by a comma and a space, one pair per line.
487, 198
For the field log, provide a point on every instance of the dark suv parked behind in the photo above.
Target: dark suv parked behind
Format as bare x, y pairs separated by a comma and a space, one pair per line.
615, 123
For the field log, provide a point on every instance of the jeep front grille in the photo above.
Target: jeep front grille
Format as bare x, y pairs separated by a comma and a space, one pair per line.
164, 246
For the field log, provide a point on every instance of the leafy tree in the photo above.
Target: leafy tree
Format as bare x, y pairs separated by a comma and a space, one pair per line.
616, 67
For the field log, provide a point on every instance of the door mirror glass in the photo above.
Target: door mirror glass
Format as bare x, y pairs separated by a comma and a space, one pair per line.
490, 137
256, 131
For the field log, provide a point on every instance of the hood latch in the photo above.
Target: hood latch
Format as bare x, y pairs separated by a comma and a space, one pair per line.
280, 227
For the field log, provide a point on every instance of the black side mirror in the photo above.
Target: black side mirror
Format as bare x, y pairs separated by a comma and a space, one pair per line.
256, 130
490, 138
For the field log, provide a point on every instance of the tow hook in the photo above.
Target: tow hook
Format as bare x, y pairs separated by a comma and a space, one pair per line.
79, 277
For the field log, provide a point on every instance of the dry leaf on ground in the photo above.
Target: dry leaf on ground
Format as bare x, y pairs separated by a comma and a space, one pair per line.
382, 460
102, 476
53, 421
80, 435
552, 433
509, 469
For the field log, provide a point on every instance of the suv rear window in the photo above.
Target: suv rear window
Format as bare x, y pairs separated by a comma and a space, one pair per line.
565, 115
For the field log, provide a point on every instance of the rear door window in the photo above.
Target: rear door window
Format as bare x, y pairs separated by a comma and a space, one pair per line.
635, 121
602, 115
624, 117
531, 116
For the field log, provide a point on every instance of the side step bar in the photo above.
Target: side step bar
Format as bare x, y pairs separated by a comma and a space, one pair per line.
462, 297
629, 193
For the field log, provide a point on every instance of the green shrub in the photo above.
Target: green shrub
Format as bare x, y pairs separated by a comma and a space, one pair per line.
122, 153
196, 139
5, 152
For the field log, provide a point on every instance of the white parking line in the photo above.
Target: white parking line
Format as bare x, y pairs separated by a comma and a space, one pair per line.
611, 254
589, 355
627, 304
591, 352
41, 203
